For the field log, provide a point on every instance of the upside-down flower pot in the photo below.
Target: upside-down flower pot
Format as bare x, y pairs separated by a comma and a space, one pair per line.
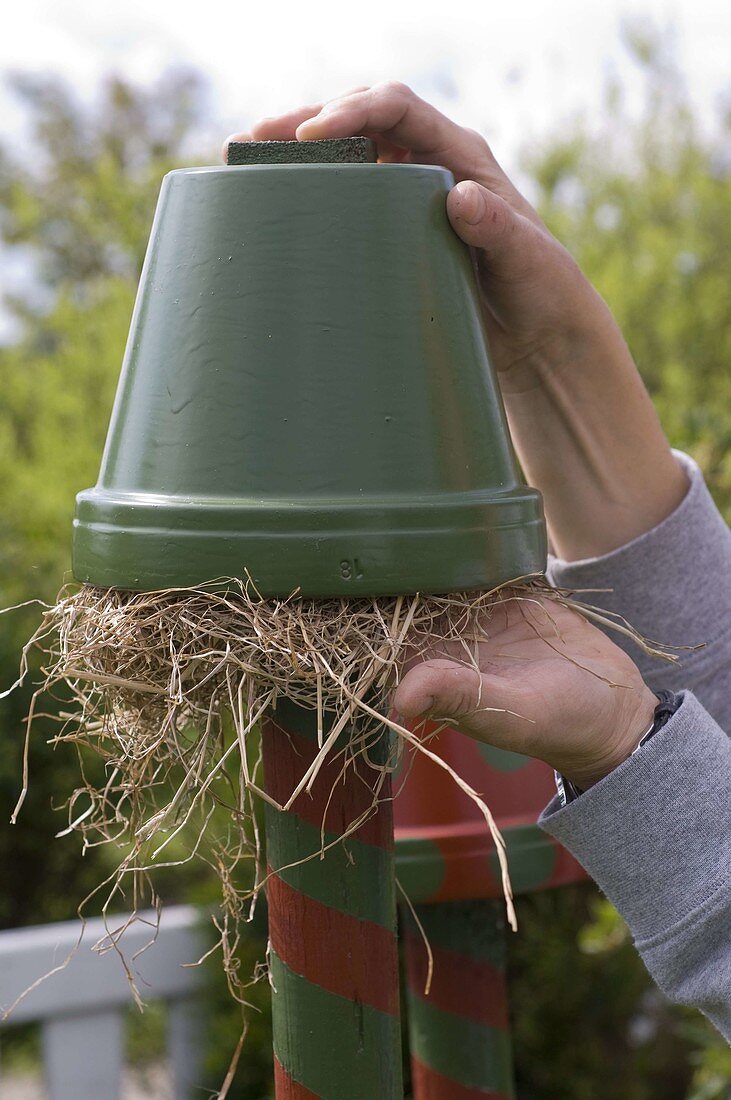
306, 396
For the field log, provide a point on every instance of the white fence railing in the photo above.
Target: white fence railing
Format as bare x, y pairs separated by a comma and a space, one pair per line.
81, 1007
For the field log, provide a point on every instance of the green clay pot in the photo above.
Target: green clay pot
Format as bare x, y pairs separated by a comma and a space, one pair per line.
306, 396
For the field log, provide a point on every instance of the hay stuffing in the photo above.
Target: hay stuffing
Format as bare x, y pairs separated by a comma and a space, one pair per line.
168, 687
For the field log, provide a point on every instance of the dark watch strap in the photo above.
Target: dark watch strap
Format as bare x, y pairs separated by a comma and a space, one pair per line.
668, 703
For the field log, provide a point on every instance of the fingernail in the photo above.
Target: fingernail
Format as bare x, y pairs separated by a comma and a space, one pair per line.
471, 202
307, 125
324, 113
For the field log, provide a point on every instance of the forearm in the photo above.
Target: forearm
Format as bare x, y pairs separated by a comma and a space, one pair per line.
672, 583
589, 438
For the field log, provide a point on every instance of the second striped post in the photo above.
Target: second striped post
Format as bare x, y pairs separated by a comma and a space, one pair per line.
460, 1042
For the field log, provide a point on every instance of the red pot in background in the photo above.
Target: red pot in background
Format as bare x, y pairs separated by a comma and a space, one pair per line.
444, 851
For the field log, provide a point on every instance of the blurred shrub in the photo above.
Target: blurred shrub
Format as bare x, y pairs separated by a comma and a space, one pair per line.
77, 203
644, 206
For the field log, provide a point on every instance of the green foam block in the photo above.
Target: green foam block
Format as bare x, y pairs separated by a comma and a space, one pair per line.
354, 150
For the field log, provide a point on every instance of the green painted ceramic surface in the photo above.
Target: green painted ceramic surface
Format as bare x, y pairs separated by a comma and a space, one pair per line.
421, 865
531, 858
503, 760
306, 395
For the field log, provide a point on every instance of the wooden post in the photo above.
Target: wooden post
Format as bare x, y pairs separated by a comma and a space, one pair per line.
332, 922
460, 1039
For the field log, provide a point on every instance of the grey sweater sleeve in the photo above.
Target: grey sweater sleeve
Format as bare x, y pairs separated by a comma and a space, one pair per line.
656, 833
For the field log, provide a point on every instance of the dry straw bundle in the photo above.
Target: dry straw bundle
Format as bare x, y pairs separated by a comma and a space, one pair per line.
167, 688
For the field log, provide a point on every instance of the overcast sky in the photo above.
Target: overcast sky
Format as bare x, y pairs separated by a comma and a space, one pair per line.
513, 69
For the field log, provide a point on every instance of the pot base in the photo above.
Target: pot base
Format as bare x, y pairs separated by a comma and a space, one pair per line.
347, 548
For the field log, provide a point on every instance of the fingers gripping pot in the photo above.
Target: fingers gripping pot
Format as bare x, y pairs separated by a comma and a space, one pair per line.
306, 393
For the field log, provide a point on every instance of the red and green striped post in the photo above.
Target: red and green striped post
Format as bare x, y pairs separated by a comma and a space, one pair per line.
459, 1031
448, 868
332, 921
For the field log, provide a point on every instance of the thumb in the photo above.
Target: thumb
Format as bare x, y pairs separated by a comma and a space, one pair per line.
479, 705
486, 221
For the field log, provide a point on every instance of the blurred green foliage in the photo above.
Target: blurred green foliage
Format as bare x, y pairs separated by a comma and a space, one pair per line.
645, 206
77, 202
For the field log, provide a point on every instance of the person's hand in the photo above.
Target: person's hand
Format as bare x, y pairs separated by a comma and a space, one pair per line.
585, 429
547, 684
530, 283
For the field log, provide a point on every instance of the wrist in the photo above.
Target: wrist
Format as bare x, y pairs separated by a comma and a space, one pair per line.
574, 425
667, 704
617, 745
578, 340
